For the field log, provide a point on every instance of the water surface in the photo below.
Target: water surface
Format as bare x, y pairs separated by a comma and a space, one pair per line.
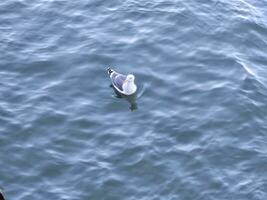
200, 128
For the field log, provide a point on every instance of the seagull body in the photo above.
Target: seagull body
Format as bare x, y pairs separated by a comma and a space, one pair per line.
122, 83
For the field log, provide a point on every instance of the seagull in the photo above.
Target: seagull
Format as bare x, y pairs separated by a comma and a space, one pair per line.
122, 83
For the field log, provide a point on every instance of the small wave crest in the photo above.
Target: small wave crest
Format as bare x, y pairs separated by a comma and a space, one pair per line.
249, 70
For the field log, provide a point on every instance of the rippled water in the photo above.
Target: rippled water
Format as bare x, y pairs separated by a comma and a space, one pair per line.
200, 130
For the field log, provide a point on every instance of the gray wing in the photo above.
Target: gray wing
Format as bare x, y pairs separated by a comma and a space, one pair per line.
117, 80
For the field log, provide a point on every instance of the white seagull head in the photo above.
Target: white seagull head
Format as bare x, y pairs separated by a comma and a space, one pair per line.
130, 78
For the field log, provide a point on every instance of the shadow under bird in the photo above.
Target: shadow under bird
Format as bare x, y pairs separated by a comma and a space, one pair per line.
124, 86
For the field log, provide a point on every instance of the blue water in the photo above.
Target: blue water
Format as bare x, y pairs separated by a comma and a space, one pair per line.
200, 128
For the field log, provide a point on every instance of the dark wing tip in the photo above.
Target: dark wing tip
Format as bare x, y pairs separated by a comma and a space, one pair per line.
1, 196
109, 70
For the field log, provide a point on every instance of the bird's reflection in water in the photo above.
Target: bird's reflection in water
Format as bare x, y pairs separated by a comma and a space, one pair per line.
130, 98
